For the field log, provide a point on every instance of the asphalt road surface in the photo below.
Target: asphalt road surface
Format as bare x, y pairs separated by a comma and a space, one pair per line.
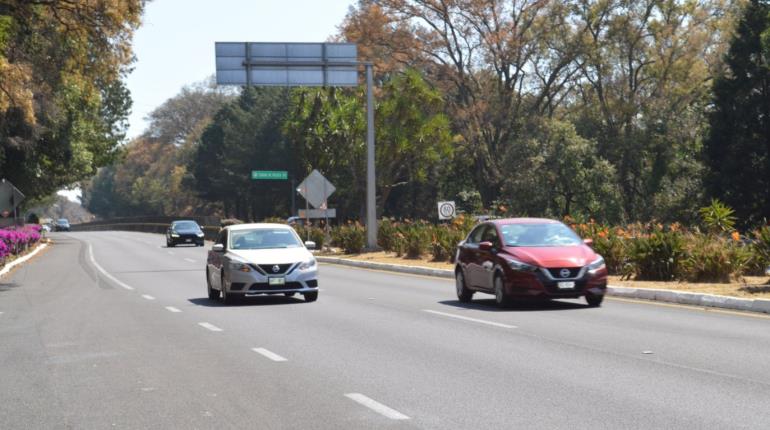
113, 330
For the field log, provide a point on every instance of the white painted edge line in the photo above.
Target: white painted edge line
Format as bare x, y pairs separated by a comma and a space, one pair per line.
148, 297
376, 406
460, 317
20, 260
172, 309
269, 354
104, 272
209, 326
190, 260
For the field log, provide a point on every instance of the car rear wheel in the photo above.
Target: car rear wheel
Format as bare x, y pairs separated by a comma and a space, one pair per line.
594, 300
463, 293
213, 294
311, 297
501, 297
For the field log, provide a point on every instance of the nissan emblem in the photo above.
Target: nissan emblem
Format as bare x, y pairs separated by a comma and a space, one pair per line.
564, 273
276, 269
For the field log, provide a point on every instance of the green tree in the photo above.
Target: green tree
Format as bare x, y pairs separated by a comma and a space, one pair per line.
737, 150
63, 104
245, 135
327, 129
151, 177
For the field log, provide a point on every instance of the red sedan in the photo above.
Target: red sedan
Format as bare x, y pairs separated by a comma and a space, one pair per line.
528, 258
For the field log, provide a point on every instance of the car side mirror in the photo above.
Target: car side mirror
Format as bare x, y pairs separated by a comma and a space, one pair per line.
589, 242
218, 247
310, 244
486, 246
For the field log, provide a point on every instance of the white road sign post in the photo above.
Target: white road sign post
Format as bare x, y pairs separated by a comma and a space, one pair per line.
304, 64
446, 210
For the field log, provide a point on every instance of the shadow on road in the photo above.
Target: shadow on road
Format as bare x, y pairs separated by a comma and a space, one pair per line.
8, 286
249, 301
489, 305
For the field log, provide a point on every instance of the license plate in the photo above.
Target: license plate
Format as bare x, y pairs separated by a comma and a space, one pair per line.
188, 240
276, 281
566, 285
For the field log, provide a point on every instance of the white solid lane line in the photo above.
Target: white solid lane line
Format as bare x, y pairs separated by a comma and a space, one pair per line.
269, 354
104, 272
148, 297
376, 406
208, 326
460, 317
172, 309
190, 260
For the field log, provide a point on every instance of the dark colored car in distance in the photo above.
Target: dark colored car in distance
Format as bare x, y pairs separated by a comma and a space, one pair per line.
61, 224
528, 258
184, 232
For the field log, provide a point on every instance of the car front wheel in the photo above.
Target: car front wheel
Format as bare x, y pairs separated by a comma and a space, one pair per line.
594, 300
501, 297
463, 293
227, 298
213, 294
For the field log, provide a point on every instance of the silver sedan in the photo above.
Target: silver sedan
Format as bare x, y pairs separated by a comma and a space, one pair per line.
253, 259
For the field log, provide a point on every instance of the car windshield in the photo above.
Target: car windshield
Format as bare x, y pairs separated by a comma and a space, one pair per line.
263, 238
186, 225
550, 234
63, 221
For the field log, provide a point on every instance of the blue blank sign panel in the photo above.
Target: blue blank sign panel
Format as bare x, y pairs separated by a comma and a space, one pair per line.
287, 64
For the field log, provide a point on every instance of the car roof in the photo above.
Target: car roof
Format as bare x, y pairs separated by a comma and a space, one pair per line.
182, 220
524, 221
236, 227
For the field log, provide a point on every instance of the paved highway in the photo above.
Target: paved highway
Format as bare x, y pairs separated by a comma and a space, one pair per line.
113, 330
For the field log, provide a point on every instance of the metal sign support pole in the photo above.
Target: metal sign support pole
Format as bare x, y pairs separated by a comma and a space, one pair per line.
371, 203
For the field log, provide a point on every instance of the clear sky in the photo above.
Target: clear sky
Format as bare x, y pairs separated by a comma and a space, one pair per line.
175, 44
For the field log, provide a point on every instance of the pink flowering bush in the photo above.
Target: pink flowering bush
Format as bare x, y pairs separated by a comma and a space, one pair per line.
15, 240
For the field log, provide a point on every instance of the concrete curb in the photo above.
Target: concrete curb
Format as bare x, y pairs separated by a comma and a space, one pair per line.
668, 296
20, 260
398, 268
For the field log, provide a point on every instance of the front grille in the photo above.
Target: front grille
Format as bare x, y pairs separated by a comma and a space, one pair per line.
264, 286
556, 273
268, 268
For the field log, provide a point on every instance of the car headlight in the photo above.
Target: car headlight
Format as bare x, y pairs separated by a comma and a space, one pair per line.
240, 266
307, 264
521, 267
174, 235
596, 265
200, 234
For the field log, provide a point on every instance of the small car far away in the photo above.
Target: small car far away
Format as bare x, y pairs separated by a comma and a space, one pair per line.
184, 233
61, 224
530, 258
254, 259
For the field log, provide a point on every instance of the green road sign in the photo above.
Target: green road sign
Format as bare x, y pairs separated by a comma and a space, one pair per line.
275, 175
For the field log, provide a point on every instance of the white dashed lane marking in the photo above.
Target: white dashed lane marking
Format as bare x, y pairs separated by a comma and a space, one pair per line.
376, 406
269, 354
209, 326
172, 309
148, 297
190, 260
460, 317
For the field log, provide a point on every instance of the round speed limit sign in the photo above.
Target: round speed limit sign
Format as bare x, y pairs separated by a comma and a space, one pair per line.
446, 210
